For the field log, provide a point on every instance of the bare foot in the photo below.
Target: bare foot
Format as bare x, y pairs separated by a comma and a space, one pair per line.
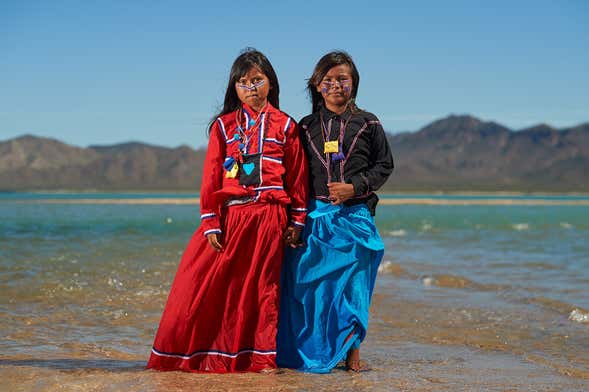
353, 360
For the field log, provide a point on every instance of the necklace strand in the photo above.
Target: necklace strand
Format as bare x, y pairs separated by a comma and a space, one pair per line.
244, 135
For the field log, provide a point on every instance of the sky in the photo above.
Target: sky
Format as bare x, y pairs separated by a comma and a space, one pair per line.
107, 72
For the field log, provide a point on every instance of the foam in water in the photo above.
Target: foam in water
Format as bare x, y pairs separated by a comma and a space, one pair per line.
579, 316
566, 225
388, 267
426, 227
397, 233
520, 226
116, 283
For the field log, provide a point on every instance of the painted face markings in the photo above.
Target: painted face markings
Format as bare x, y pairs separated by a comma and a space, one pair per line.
252, 86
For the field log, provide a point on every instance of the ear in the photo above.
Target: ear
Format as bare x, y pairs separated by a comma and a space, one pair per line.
318, 88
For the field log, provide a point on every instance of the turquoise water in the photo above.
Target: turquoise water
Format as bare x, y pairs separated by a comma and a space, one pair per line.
527, 249
18, 196
90, 280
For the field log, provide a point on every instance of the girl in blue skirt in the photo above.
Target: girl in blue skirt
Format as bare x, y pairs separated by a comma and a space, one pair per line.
327, 283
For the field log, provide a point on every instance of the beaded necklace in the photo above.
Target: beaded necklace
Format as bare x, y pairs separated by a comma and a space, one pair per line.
245, 133
333, 147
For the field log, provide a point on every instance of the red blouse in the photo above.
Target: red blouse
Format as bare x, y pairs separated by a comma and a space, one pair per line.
283, 165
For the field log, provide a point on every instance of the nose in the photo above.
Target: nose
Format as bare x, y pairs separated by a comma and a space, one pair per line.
335, 84
253, 86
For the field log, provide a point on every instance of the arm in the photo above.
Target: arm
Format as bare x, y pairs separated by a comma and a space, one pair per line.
296, 182
212, 181
374, 177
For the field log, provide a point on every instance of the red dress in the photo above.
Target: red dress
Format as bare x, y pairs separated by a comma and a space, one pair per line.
222, 310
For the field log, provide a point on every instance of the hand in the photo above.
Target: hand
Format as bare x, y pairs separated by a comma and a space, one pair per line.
340, 192
292, 236
215, 241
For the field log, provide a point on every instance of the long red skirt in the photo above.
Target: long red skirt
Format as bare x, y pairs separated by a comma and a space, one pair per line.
222, 311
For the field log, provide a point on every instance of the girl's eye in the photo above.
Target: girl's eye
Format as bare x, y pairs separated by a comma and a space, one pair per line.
336, 82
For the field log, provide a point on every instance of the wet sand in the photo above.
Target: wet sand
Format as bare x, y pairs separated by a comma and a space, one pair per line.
407, 366
395, 366
411, 346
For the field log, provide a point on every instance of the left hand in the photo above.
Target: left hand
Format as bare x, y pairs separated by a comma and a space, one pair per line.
340, 192
292, 236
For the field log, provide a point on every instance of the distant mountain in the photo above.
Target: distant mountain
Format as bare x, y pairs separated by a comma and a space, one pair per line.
30, 162
450, 154
465, 153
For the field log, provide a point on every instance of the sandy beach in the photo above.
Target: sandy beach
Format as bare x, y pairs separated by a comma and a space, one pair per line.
409, 367
412, 352
406, 349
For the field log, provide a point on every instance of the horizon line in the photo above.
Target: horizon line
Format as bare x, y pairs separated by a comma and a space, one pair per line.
392, 133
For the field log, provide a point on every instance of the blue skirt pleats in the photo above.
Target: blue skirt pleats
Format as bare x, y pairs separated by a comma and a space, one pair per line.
327, 286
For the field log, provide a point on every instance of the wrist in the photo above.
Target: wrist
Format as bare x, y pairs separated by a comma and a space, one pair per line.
359, 186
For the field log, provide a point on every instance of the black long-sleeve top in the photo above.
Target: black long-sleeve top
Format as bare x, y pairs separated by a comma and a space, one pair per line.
367, 163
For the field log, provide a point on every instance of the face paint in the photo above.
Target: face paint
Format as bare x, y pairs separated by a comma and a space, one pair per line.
252, 87
327, 85
336, 88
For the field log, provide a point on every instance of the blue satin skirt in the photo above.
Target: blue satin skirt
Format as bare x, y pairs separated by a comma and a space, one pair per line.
327, 286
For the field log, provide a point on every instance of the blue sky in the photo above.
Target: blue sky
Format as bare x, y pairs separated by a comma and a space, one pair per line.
106, 72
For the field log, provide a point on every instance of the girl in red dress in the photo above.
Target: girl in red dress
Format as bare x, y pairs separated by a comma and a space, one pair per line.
222, 311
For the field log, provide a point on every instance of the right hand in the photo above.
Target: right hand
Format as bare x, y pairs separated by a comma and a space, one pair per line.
215, 241
292, 237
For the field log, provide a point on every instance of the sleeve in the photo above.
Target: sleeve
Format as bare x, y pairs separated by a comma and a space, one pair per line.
382, 166
296, 180
212, 179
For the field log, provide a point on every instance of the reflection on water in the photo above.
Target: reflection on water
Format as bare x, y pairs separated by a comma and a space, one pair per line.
468, 297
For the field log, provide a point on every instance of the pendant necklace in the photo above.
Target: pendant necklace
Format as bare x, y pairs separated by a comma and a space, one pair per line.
333, 147
243, 135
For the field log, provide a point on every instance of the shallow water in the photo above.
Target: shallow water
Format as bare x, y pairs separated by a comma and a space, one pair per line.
468, 298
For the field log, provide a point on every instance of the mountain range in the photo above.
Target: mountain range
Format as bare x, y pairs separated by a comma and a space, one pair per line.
456, 153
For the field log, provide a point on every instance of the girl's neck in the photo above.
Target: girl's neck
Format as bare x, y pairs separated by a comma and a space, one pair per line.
336, 109
260, 107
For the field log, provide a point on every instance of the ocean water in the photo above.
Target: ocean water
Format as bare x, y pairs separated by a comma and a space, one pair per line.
468, 296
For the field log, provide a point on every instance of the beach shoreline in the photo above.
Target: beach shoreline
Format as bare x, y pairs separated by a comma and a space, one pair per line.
382, 201
408, 366
381, 193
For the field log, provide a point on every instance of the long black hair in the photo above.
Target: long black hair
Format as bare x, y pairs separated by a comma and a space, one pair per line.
330, 60
248, 58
